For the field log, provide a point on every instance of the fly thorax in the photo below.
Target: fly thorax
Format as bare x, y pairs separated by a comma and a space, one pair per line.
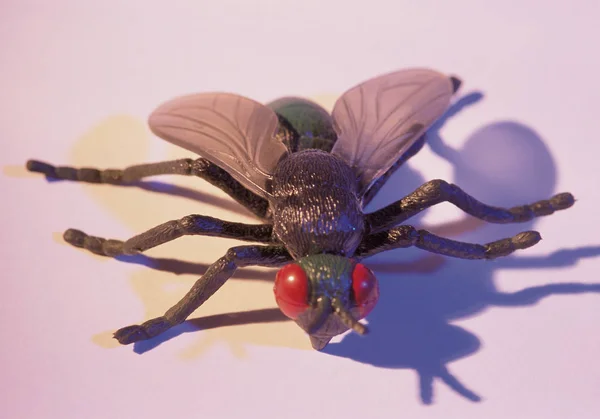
315, 205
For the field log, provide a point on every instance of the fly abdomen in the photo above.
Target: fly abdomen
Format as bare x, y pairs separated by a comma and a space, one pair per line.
312, 124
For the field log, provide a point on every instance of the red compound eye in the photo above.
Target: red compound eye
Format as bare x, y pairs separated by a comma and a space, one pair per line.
365, 288
291, 290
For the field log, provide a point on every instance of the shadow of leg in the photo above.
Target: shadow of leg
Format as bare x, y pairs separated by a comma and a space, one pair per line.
266, 315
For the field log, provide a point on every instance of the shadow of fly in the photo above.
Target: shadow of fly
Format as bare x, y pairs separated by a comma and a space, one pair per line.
307, 175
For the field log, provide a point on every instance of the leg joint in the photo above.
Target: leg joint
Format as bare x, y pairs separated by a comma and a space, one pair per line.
199, 166
242, 254
437, 187
187, 223
232, 254
404, 236
200, 224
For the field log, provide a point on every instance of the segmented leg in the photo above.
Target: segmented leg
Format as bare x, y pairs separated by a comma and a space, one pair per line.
188, 167
407, 236
171, 230
437, 191
112, 176
216, 275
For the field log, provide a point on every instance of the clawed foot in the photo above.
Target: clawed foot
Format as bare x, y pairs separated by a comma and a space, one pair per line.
97, 245
41, 167
526, 239
505, 247
562, 201
146, 330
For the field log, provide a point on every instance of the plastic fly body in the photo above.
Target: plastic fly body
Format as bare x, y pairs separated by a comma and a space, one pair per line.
307, 175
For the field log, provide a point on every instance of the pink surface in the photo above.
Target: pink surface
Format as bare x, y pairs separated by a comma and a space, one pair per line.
78, 80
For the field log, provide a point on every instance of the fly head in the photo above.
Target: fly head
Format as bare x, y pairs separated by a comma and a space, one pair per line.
326, 295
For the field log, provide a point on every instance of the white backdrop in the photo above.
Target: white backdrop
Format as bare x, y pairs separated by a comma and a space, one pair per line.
78, 80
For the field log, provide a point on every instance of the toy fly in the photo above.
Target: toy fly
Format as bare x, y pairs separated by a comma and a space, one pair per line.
308, 175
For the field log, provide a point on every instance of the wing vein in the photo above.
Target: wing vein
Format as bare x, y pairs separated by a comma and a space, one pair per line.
215, 113
392, 137
233, 146
406, 99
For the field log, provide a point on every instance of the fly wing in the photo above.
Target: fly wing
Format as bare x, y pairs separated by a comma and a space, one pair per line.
377, 121
231, 131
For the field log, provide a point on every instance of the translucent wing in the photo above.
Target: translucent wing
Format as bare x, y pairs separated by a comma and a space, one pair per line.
231, 131
378, 120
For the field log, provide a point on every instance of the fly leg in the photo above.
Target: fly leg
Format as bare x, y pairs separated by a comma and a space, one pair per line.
438, 191
201, 167
171, 230
216, 275
407, 236
112, 176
